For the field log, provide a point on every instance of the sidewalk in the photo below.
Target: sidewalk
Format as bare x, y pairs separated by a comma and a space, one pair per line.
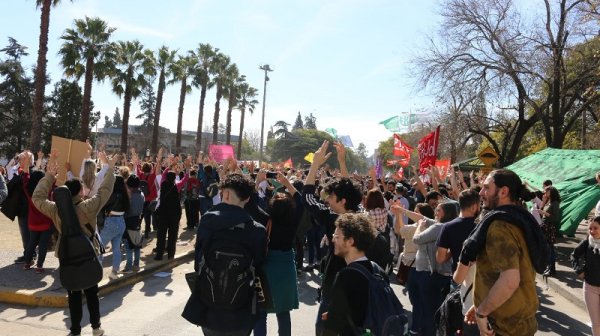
25, 287
566, 283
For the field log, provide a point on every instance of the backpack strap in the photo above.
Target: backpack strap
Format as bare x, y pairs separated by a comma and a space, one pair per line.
363, 270
467, 292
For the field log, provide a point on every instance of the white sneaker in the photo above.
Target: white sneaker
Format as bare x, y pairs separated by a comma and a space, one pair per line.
113, 275
98, 332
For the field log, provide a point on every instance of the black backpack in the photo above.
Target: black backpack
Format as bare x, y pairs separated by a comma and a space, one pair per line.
79, 266
144, 188
226, 274
385, 315
449, 317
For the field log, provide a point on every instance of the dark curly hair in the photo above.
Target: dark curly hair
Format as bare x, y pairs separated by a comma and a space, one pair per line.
358, 227
242, 186
345, 188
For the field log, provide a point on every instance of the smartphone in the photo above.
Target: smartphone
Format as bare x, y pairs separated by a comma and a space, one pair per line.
271, 175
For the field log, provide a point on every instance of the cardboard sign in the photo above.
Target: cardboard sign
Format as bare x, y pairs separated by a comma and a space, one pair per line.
71, 151
220, 153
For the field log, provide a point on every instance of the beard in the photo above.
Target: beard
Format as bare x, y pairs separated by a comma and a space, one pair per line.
491, 201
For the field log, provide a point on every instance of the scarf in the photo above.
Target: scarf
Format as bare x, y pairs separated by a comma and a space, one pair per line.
594, 244
536, 243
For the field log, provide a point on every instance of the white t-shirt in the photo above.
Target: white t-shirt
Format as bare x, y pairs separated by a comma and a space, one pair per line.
597, 212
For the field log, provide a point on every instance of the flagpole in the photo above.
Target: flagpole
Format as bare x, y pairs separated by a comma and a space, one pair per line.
409, 120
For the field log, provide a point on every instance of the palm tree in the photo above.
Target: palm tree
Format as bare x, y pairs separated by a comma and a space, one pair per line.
40, 74
247, 100
164, 63
133, 64
182, 69
205, 54
232, 81
87, 52
220, 64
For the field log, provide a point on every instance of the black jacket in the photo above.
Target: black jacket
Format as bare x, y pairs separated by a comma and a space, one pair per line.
590, 264
169, 200
220, 217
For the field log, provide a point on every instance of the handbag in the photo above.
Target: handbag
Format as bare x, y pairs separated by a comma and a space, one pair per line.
403, 272
152, 206
135, 237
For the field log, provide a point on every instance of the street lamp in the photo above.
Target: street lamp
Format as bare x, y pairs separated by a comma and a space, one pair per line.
266, 68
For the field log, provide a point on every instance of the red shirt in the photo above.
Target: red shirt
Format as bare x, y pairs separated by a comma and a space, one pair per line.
36, 221
150, 179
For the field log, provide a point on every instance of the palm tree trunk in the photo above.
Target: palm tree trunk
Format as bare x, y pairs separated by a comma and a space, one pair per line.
180, 115
40, 79
87, 95
159, 97
200, 117
229, 110
239, 151
126, 108
216, 116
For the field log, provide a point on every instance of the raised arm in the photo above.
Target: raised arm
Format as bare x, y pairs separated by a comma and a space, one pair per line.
319, 159
341, 156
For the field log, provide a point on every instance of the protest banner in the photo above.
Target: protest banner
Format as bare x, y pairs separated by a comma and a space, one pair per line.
427, 149
220, 153
71, 151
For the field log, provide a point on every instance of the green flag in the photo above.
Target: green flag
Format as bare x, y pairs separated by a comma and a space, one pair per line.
392, 124
332, 131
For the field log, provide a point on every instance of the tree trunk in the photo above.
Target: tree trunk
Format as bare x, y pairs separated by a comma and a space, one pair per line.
159, 97
87, 95
200, 117
126, 108
40, 79
216, 116
229, 111
243, 115
180, 115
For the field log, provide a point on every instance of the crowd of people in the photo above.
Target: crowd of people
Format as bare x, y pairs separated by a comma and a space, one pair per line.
432, 233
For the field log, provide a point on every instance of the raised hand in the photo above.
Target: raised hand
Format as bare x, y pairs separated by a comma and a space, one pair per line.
321, 154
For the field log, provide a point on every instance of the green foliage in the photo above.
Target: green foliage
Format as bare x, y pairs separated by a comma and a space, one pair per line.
148, 107
16, 100
310, 122
247, 150
116, 120
298, 123
63, 118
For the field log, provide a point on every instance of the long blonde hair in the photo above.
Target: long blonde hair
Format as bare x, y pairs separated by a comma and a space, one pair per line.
89, 173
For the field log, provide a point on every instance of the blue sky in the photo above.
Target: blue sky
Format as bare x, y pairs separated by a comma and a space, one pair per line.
345, 61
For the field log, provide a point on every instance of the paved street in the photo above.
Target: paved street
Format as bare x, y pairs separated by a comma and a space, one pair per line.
153, 307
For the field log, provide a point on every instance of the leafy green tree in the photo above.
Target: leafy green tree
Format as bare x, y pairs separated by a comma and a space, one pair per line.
182, 69
147, 106
205, 54
16, 101
107, 122
133, 65
248, 102
310, 122
164, 62
282, 129
298, 124
232, 82
116, 120
219, 70
247, 149
88, 52
64, 112
40, 74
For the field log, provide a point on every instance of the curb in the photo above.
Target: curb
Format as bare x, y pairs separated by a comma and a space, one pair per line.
558, 287
58, 298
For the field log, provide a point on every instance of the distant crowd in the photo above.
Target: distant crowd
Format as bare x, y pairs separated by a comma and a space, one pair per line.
474, 241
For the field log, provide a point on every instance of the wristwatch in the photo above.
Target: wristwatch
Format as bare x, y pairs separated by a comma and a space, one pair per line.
479, 315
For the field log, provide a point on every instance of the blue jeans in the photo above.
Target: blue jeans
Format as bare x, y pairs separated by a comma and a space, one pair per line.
132, 256
313, 238
284, 324
40, 239
114, 226
422, 313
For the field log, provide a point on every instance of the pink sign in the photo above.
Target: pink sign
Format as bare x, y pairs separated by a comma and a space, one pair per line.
220, 153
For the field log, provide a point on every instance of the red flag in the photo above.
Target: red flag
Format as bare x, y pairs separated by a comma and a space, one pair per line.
404, 162
288, 163
443, 166
401, 148
427, 148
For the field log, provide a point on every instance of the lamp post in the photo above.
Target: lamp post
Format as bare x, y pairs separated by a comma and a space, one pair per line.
266, 68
